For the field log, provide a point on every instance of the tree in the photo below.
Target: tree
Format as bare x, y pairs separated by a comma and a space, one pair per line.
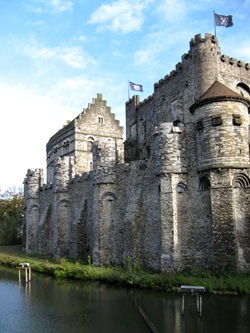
11, 216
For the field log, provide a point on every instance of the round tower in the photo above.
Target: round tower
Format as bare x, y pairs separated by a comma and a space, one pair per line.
221, 120
32, 184
205, 54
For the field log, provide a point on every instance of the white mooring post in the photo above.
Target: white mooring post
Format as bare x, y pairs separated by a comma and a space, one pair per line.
27, 269
193, 291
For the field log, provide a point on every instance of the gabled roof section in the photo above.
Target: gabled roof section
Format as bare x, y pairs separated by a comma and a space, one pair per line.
218, 91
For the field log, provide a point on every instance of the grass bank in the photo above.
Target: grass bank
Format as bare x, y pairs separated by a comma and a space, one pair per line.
132, 275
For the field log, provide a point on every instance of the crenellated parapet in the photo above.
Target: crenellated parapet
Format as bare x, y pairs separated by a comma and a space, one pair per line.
233, 61
33, 182
198, 39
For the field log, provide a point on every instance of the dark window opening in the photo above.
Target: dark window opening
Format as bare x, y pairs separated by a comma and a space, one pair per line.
237, 119
199, 125
217, 121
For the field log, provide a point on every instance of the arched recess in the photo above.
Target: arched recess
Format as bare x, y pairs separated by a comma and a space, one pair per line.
109, 140
243, 89
63, 228
181, 187
108, 229
90, 141
82, 239
44, 239
109, 196
241, 185
204, 183
34, 215
241, 180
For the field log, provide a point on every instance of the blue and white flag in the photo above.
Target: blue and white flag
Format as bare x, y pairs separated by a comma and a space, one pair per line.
223, 20
136, 87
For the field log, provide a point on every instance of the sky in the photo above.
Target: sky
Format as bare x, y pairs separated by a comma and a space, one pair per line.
57, 55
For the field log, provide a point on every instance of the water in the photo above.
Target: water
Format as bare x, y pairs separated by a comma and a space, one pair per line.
50, 306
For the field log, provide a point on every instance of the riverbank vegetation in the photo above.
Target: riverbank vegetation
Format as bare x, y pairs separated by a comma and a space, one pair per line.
11, 216
131, 275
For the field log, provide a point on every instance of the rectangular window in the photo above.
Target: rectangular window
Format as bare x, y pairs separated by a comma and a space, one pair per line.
237, 119
100, 120
217, 121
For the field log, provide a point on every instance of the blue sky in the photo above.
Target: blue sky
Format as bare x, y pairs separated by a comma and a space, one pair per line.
56, 55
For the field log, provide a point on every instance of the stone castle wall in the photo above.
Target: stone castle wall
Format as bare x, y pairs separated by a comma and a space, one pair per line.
180, 195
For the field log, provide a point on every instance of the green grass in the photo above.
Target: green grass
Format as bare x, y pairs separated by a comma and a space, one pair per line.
132, 275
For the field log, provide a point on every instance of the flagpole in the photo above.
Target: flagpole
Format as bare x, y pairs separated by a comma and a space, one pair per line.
214, 25
128, 91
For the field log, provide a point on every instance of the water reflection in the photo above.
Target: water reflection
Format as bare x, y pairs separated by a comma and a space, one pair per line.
48, 305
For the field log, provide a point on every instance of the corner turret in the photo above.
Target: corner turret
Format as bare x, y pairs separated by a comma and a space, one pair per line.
221, 120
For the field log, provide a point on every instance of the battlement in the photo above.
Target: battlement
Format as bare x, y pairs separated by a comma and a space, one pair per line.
199, 39
33, 181
234, 61
133, 102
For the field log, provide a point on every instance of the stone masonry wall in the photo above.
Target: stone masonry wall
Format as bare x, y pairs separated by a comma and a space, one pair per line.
181, 199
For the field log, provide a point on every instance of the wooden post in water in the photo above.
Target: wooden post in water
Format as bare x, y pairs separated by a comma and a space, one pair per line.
27, 270
193, 291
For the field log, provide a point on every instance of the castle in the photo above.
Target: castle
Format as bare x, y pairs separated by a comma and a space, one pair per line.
175, 194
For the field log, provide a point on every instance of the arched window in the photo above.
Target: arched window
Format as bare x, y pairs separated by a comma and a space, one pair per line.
90, 141
204, 183
241, 180
243, 89
181, 187
100, 120
109, 196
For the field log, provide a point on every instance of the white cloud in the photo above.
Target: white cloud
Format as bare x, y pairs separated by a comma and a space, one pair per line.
123, 16
36, 23
27, 123
82, 38
54, 6
172, 11
72, 56
61, 5
155, 45
79, 88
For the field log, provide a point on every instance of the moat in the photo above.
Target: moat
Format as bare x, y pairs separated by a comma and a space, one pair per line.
47, 305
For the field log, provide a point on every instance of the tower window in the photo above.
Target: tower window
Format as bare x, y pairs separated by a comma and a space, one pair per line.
237, 119
217, 121
100, 120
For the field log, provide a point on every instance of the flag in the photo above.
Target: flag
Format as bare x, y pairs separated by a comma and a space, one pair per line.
134, 86
223, 20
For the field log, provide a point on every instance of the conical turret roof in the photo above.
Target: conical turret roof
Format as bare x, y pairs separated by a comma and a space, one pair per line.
218, 91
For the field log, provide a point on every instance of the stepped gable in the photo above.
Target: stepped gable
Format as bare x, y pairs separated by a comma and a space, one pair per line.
217, 91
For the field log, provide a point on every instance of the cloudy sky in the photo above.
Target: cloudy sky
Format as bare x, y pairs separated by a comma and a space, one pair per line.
56, 55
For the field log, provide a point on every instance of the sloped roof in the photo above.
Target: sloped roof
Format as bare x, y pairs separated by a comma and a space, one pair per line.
217, 91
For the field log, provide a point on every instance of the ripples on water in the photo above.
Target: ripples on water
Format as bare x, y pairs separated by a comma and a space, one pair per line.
50, 306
